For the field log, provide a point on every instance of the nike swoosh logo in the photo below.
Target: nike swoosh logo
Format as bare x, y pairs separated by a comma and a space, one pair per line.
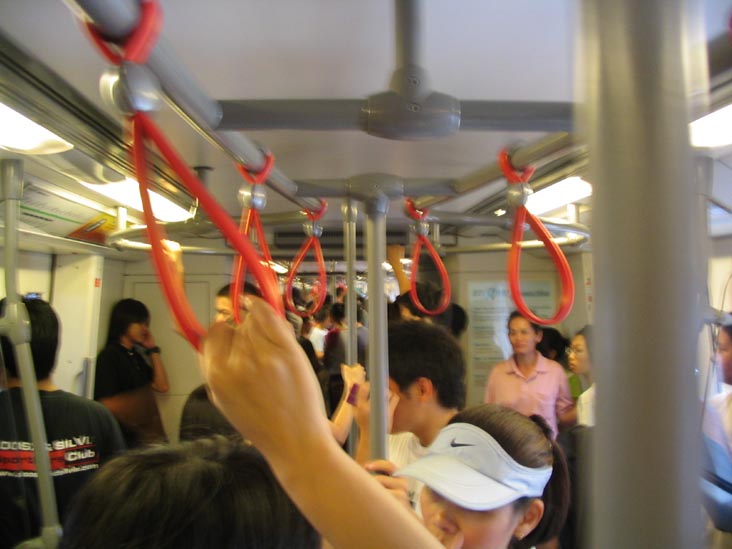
456, 444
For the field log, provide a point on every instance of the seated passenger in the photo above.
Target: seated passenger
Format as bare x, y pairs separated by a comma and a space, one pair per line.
493, 479
206, 494
82, 434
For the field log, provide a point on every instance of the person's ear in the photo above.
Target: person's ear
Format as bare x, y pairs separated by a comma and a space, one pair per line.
425, 388
530, 518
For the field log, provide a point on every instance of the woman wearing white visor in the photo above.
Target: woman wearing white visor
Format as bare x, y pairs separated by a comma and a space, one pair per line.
494, 479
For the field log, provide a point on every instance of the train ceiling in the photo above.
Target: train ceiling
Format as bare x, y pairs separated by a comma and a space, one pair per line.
519, 58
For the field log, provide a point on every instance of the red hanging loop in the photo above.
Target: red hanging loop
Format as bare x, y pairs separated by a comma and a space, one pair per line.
313, 241
514, 255
139, 43
250, 217
422, 240
257, 178
144, 127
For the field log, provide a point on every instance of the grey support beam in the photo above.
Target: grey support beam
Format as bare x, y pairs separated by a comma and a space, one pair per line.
645, 463
116, 19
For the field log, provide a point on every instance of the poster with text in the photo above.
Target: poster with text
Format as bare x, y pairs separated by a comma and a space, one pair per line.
489, 305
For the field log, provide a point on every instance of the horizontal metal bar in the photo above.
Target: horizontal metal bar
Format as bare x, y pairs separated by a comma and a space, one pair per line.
291, 114
346, 114
517, 116
116, 19
519, 158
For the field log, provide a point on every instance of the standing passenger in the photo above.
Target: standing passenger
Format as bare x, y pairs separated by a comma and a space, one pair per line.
427, 387
81, 433
493, 479
125, 380
528, 382
580, 362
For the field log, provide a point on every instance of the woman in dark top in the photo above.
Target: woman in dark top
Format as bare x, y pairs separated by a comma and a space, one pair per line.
128, 371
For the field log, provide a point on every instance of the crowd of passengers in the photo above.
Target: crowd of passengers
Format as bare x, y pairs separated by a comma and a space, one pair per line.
261, 460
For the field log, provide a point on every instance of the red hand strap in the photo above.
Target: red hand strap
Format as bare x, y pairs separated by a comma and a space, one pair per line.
249, 217
144, 128
422, 240
514, 255
140, 42
313, 242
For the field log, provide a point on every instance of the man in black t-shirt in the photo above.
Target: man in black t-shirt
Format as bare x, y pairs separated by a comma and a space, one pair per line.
81, 434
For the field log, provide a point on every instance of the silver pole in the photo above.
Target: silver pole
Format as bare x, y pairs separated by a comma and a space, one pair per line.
645, 466
349, 212
408, 26
378, 359
16, 326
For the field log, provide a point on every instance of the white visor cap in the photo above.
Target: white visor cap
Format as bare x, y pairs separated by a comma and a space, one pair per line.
468, 467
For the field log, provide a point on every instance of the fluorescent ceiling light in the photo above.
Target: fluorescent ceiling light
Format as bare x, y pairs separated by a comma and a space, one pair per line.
712, 130
127, 192
566, 191
276, 267
20, 134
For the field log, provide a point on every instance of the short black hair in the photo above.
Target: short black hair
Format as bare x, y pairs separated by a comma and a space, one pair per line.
212, 492
201, 419
428, 294
516, 314
125, 312
553, 340
249, 288
338, 312
421, 349
44, 326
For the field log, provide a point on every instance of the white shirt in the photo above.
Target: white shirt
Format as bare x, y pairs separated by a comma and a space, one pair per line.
317, 338
586, 407
404, 448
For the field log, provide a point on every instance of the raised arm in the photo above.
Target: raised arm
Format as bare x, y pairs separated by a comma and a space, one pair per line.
394, 255
261, 380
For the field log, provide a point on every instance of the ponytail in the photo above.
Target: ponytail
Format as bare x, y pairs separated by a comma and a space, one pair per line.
556, 495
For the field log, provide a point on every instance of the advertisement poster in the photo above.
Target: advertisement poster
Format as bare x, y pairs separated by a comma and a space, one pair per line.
489, 305
58, 216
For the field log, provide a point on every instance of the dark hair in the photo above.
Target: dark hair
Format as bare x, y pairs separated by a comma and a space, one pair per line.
338, 312
44, 327
200, 418
553, 340
420, 349
125, 312
528, 440
207, 493
515, 314
588, 333
428, 294
249, 288
321, 314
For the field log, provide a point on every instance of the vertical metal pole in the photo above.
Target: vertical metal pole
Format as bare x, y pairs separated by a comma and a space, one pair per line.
350, 212
16, 327
408, 26
645, 473
378, 359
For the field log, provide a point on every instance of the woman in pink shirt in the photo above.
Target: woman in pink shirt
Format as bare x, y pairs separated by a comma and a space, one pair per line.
528, 382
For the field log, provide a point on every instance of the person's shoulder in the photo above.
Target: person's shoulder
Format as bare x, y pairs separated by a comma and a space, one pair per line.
74, 401
550, 365
110, 351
